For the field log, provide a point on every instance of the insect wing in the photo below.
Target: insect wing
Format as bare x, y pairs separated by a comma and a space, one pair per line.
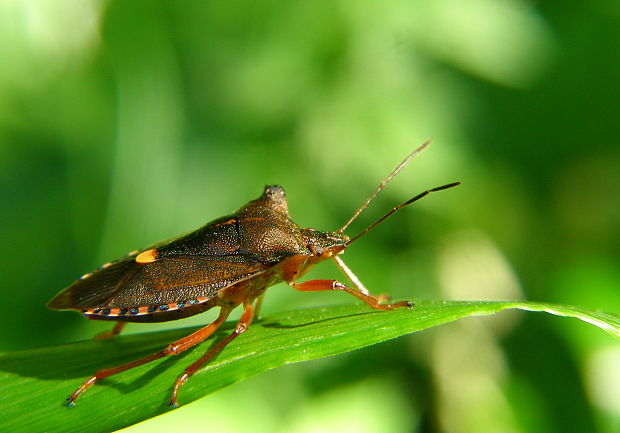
128, 283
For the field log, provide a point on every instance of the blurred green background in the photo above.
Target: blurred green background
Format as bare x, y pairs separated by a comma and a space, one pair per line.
126, 122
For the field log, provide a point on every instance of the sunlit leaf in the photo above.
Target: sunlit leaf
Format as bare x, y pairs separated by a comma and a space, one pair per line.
36, 382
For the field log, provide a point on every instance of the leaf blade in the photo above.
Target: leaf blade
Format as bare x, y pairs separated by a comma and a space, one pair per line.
38, 380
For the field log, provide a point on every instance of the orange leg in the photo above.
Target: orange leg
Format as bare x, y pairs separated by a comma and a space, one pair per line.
242, 325
257, 305
112, 333
172, 349
350, 275
373, 301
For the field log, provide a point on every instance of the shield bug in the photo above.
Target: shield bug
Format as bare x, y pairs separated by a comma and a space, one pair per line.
231, 261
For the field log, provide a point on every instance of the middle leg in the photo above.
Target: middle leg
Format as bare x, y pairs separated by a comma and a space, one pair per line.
242, 326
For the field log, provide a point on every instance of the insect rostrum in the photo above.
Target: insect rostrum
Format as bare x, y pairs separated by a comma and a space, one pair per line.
231, 261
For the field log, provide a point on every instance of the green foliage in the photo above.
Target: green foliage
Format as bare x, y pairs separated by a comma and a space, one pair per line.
36, 381
125, 122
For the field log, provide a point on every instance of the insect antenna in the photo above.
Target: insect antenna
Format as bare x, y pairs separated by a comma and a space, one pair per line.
382, 185
397, 208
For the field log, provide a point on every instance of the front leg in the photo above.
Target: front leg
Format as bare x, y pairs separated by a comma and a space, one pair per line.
321, 285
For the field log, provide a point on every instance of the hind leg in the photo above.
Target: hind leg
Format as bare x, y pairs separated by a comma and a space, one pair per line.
172, 349
118, 327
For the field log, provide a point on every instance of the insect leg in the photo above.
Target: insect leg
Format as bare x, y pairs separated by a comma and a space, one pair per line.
172, 349
350, 275
113, 332
258, 304
373, 301
242, 325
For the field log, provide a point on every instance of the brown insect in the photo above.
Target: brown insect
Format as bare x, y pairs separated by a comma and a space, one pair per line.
227, 263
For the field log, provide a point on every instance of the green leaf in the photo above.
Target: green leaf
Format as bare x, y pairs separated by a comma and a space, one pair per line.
36, 382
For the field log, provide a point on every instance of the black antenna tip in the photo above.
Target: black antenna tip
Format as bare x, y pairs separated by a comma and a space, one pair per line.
427, 192
408, 202
450, 185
